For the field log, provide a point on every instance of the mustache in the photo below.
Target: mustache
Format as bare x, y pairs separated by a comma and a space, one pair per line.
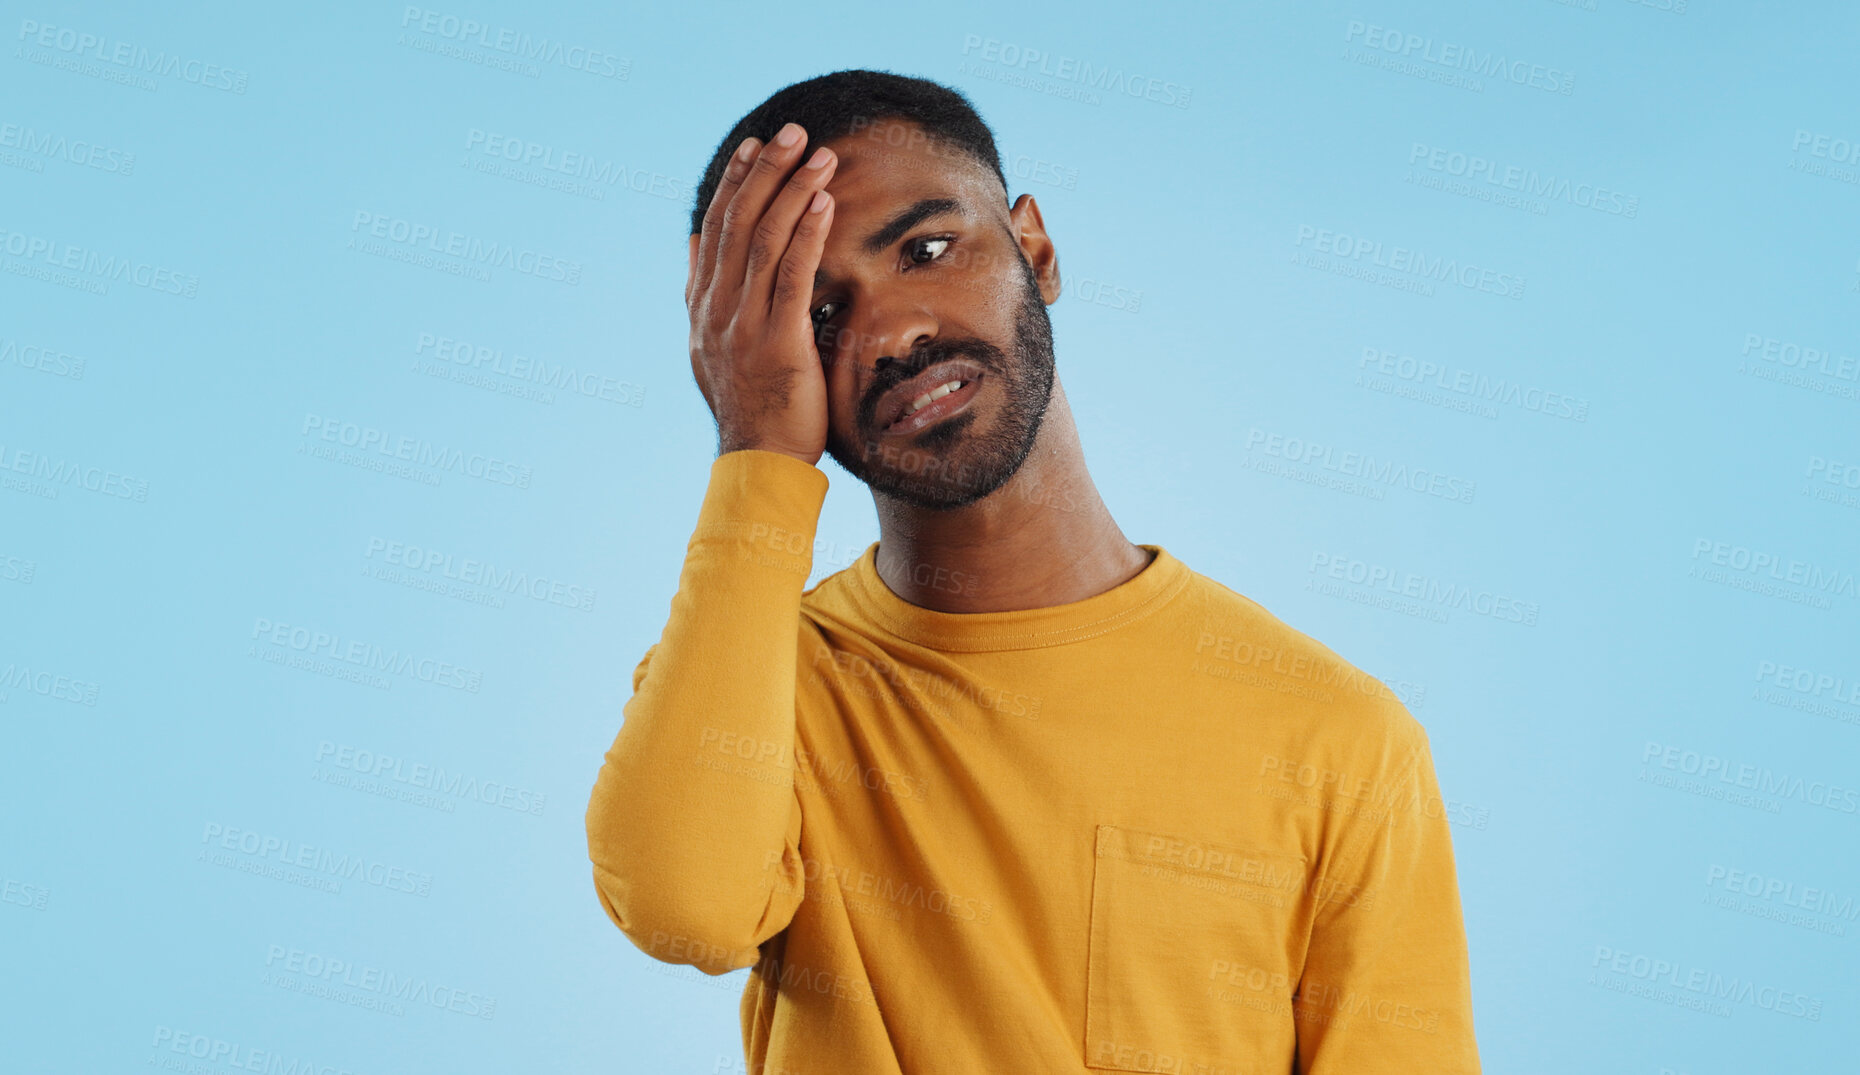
985, 354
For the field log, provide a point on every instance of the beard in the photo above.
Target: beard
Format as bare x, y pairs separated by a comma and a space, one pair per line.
949, 465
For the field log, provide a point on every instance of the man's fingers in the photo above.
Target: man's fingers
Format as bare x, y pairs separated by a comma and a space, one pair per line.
732, 181
752, 199
775, 233
794, 280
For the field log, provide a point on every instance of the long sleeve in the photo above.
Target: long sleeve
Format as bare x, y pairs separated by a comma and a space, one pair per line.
1387, 985
693, 824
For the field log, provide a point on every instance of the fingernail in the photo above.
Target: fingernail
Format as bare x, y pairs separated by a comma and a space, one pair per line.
746, 150
819, 203
790, 134
819, 159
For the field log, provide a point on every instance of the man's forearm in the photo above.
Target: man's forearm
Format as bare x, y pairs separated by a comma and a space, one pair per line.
695, 799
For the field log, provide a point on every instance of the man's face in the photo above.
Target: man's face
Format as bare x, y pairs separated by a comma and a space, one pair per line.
921, 284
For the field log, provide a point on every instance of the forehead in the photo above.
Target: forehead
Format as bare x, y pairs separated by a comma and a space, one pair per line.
889, 164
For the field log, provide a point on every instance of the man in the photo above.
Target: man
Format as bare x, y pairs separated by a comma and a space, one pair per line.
1011, 793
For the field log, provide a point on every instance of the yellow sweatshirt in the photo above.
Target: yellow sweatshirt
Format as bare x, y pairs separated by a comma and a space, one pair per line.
1155, 830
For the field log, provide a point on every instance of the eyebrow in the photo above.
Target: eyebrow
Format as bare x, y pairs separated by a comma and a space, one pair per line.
894, 229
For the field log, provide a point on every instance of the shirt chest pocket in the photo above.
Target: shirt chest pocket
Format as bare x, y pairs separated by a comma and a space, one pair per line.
1192, 950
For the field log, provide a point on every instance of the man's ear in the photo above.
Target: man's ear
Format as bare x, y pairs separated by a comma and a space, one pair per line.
691, 270
1030, 232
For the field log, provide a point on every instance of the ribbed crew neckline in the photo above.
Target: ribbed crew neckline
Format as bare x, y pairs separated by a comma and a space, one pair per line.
1027, 628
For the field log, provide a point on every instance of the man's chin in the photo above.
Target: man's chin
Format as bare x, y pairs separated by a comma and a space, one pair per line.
930, 469
926, 494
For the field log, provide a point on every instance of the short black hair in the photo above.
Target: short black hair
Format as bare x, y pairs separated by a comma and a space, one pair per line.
833, 105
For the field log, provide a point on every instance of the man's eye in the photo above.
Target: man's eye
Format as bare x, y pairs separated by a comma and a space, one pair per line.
929, 249
821, 314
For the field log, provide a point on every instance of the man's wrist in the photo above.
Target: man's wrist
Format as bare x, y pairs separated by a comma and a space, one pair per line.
725, 447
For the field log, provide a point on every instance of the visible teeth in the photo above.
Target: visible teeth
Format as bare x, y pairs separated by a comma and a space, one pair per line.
932, 396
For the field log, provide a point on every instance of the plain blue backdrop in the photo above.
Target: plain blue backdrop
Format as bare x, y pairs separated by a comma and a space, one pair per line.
1510, 351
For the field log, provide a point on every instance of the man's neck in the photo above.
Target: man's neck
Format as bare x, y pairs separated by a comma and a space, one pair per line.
1043, 539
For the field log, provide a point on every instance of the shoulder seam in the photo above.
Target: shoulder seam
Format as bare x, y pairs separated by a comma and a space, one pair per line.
1400, 779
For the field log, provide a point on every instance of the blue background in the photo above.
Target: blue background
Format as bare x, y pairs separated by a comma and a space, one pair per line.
169, 500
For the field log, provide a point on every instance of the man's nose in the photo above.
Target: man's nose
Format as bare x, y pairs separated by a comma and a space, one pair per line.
889, 333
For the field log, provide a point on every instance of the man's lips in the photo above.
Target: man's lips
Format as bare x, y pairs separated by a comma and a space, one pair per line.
893, 405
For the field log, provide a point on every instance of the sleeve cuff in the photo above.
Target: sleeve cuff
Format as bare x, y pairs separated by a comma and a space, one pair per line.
766, 502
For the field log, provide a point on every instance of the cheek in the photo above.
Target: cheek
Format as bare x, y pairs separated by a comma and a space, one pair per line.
992, 303
842, 397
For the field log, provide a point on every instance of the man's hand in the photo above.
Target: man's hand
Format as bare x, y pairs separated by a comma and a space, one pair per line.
749, 288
